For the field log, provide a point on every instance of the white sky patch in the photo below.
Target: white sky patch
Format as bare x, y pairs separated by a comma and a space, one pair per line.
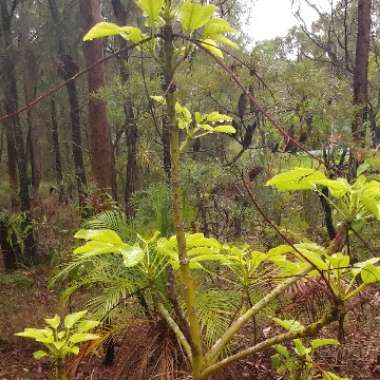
273, 18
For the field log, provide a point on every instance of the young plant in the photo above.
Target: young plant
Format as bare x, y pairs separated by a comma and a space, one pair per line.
297, 362
355, 203
61, 341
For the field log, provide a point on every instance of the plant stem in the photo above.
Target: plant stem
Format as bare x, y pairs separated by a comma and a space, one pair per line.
301, 333
236, 326
187, 279
60, 369
177, 331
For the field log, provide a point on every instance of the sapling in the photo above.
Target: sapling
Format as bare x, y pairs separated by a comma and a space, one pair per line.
61, 341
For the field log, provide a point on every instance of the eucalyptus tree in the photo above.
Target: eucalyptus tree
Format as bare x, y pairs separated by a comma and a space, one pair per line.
15, 139
67, 69
101, 155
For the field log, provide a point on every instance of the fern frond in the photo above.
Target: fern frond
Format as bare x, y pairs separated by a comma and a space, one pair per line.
215, 312
113, 220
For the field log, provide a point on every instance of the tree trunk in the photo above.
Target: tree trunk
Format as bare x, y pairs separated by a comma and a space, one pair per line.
56, 148
132, 169
68, 68
11, 106
360, 84
9, 253
121, 14
99, 130
11, 164
33, 122
30, 66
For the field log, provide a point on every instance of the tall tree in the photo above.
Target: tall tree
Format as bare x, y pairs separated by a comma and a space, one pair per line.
99, 130
68, 68
30, 68
16, 145
56, 146
360, 84
121, 14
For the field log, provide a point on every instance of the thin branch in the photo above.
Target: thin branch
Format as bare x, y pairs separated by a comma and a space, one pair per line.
364, 242
150, 103
288, 241
58, 87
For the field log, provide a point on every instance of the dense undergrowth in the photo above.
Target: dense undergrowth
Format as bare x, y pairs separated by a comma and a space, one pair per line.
216, 271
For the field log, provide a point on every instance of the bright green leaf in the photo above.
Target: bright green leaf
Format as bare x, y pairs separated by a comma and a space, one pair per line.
159, 99
102, 29
216, 117
87, 325
131, 33
224, 41
82, 337
71, 350
72, 319
362, 168
106, 236
289, 325
229, 129
296, 179
212, 47
151, 8
358, 267
338, 187
317, 343
282, 350
38, 355
193, 16
97, 248
35, 333
53, 322
216, 26
370, 274
132, 256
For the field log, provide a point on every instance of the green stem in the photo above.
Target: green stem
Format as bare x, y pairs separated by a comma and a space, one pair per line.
60, 369
219, 345
177, 331
187, 279
301, 333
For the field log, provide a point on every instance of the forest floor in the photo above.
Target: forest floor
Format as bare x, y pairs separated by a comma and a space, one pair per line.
25, 300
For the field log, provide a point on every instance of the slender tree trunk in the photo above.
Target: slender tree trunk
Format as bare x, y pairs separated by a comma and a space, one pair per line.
360, 84
30, 66
132, 169
56, 147
9, 254
375, 129
33, 122
132, 177
11, 164
11, 106
99, 130
68, 68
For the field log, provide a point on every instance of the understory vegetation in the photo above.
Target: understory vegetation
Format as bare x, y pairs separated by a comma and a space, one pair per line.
218, 217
